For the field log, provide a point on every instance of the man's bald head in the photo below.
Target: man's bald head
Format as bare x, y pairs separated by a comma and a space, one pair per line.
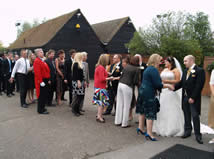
189, 60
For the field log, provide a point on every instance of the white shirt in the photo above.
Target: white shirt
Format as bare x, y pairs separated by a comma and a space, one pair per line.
20, 67
212, 78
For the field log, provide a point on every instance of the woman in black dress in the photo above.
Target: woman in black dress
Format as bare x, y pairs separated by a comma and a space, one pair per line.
31, 84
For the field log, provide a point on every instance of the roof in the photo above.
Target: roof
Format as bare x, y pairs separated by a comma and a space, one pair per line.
107, 30
35, 36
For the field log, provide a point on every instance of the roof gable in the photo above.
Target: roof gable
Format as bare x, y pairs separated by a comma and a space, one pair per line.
107, 30
32, 37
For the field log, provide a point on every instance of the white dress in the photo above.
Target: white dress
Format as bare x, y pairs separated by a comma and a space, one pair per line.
170, 118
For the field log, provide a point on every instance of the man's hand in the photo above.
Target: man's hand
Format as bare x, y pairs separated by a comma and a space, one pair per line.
11, 80
79, 84
191, 101
66, 81
49, 82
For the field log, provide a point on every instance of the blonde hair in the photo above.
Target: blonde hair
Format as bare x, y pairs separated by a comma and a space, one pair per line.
154, 59
78, 58
103, 60
30, 57
84, 54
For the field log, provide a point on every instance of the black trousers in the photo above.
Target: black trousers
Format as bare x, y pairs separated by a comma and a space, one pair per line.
22, 79
77, 100
112, 95
17, 83
70, 92
43, 97
8, 85
191, 112
1, 83
51, 90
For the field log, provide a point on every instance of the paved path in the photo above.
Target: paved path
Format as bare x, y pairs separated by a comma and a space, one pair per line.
26, 135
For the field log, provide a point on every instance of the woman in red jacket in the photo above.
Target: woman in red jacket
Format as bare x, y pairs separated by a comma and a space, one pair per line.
100, 94
41, 76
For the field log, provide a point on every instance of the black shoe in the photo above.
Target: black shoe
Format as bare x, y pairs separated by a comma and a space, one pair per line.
80, 113
199, 140
64, 99
106, 113
186, 135
24, 106
9, 95
82, 110
13, 94
45, 112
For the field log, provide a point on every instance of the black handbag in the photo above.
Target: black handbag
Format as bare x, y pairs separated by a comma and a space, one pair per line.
157, 104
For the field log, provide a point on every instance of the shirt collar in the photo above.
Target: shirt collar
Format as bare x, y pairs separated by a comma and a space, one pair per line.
192, 66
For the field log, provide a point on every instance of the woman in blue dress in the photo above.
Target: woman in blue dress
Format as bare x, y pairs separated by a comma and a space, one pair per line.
147, 106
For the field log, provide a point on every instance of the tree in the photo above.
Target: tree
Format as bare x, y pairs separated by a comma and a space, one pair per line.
2, 48
198, 28
27, 26
166, 36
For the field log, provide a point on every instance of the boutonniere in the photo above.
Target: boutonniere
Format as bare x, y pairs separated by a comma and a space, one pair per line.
142, 67
192, 71
117, 67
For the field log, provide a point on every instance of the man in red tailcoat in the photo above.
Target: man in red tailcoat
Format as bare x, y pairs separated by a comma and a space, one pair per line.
42, 80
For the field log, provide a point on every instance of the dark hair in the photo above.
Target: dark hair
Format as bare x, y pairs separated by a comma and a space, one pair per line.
60, 52
126, 59
171, 60
134, 61
50, 51
72, 51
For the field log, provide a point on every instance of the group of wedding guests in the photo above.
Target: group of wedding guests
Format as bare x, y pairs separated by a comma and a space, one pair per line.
49, 74
168, 99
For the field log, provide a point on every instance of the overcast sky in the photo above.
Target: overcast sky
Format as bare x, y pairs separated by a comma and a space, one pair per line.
140, 11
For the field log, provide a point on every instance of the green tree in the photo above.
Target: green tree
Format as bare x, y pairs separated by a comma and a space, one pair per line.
198, 28
2, 48
166, 36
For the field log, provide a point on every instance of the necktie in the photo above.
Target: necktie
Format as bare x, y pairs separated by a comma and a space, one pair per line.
9, 65
25, 67
188, 73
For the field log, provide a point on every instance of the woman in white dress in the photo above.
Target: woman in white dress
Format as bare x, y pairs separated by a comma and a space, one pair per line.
170, 119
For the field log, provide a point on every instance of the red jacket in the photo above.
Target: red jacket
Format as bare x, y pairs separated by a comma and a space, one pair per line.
41, 71
100, 76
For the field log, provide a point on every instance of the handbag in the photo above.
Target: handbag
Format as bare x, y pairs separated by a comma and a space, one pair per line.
157, 104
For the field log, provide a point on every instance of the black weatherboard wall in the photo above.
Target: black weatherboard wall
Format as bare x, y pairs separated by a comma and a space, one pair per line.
122, 37
82, 39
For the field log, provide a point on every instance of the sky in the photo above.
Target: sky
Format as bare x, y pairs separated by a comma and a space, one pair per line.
141, 12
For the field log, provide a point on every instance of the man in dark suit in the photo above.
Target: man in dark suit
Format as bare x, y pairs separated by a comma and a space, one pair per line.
1, 73
52, 86
115, 71
7, 70
68, 73
192, 82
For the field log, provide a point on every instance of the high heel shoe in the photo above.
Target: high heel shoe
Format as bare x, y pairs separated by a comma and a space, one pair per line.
149, 137
140, 131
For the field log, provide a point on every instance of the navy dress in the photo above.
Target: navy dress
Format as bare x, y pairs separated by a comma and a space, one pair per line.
151, 83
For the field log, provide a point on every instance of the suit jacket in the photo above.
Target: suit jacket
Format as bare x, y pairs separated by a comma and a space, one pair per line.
52, 70
116, 72
68, 70
192, 86
41, 71
6, 67
86, 72
1, 67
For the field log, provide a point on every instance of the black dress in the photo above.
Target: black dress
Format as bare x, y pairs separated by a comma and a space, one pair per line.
30, 76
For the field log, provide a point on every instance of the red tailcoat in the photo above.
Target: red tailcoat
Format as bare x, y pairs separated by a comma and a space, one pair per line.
41, 71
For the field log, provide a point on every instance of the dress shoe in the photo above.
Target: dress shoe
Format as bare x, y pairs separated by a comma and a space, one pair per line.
9, 95
100, 121
106, 113
80, 113
75, 113
24, 106
127, 126
45, 112
82, 110
13, 94
186, 135
199, 140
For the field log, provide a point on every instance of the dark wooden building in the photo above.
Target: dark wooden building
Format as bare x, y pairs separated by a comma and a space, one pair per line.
115, 34
69, 31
